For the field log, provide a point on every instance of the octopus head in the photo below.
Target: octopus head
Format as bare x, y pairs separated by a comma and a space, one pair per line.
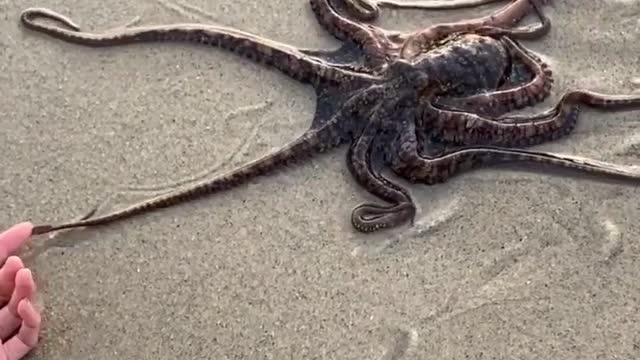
411, 76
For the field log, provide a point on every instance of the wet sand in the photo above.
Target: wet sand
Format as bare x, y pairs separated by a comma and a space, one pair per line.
502, 263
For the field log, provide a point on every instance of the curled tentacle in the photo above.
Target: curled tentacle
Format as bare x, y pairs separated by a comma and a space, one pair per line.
373, 217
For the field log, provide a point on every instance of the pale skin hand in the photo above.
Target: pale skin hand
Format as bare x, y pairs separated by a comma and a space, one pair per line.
17, 290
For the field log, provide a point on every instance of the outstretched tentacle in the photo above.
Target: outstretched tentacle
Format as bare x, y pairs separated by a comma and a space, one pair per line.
373, 217
315, 139
432, 170
369, 10
285, 58
520, 130
303, 145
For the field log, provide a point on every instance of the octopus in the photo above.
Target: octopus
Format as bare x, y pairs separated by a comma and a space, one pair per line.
423, 105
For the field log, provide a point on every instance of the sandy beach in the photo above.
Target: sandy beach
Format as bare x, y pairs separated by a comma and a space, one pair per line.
502, 263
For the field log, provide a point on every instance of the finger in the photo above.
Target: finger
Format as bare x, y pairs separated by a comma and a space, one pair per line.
13, 238
7, 277
9, 317
27, 337
25, 287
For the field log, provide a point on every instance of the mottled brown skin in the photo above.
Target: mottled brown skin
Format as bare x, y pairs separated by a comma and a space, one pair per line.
366, 151
479, 141
427, 104
508, 97
381, 47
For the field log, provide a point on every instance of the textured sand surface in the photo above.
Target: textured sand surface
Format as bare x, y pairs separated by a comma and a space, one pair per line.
502, 264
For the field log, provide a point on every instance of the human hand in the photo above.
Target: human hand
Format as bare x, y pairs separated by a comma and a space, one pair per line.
17, 289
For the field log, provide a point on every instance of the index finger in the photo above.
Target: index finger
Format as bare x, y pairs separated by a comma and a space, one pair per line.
13, 238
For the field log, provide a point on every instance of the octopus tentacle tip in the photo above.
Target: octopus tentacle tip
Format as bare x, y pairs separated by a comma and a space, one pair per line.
29, 16
41, 229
